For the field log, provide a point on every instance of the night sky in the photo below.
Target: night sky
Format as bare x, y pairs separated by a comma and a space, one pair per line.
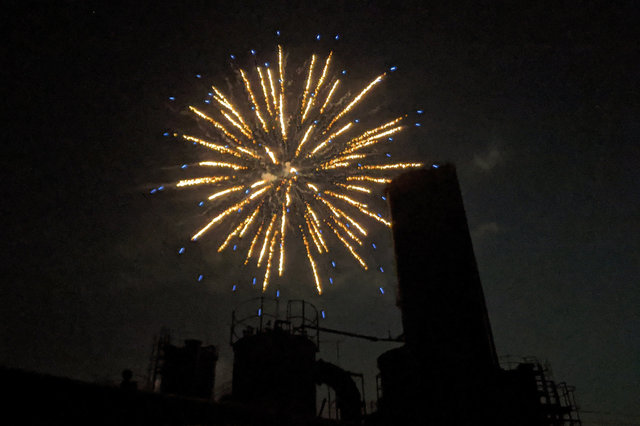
537, 106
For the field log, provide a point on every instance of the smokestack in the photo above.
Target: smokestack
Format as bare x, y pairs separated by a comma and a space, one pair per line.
444, 314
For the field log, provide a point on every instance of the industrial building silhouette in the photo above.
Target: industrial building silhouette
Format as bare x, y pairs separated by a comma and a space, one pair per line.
446, 372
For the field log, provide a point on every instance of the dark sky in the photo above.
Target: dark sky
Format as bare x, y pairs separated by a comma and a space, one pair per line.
537, 106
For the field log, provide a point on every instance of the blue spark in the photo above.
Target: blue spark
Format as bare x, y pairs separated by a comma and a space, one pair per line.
393, 68
374, 246
181, 250
278, 33
344, 72
418, 124
207, 101
253, 52
330, 280
420, 111
235, 246
333, 263
254, 281
201, 203
165, 134
160, 188
266, 64
200, 277
277, 293
232, 56
381, 290
435, 166
323, 314
198, 76
172, 98
234, 288
317, 36
337, 37
383, 197
381, 270
184, 166
153, 191
259, 312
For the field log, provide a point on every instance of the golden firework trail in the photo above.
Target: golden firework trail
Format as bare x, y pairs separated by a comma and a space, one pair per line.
289, 165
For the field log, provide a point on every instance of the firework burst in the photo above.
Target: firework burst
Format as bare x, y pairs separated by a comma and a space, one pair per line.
290, 165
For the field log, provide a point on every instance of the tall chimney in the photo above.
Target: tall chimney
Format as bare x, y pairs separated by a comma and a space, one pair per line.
444, 314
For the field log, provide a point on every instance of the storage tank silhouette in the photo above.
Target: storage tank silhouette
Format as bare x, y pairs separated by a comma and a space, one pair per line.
273, 369
275, 366
187, 371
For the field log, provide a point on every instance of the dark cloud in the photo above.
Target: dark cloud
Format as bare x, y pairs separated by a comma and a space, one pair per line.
488, 161
485, 230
